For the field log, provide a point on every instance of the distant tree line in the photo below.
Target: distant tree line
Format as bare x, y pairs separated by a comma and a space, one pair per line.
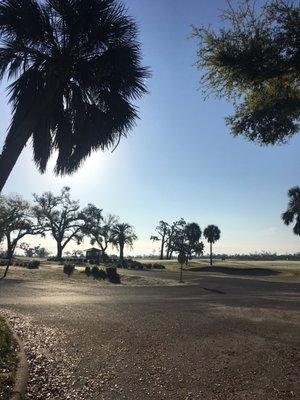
263, 256
180, 237
62, 218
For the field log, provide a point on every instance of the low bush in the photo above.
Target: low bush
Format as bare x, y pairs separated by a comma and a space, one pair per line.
131, 264
69, 269
95, 272
98, 273
112, 275
33, 265
158, 266
102, 274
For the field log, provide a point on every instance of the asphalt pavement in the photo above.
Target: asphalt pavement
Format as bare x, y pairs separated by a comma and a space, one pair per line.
212, 338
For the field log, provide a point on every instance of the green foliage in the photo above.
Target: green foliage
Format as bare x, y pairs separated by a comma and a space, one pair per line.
61, 216
16, 221
98, 273
5, 342
158, 266
98, 228
122, 234
33, 264
76, 71
182, 258
34, 251
212, 233
8, 361
95, 272
112, 275
293, 211
69, 269
102, 274
254, 58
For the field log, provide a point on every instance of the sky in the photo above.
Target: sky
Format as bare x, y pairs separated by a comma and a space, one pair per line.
180, 160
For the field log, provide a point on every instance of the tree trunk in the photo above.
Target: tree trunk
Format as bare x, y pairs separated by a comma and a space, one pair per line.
6, 269
59, 251
9, 253
10, 153
121, 253
211, 253
9, 256
162, 249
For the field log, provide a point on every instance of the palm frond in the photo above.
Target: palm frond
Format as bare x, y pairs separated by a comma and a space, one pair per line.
77, 69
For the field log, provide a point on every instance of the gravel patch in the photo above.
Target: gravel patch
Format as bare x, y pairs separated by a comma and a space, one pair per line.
50, 372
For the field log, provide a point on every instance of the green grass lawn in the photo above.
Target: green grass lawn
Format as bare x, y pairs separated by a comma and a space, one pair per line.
273, 270
8, 361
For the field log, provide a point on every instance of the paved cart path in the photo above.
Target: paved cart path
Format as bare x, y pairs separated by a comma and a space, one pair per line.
219, 338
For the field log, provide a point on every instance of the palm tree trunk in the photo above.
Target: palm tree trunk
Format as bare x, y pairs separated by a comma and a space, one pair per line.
10, 154
210, 253
121, 253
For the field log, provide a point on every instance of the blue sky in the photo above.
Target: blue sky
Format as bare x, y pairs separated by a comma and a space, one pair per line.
180, 160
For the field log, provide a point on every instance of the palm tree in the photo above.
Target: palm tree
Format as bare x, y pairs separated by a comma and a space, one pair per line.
211, 233
123, 234
74, 68
293, 211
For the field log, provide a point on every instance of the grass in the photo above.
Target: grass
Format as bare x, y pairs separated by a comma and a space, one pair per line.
54, 272
267, 270
8, 361
279, 271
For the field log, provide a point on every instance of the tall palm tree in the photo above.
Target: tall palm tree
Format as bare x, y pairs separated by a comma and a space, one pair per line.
293, 211
123, 234
74, 68
211, 233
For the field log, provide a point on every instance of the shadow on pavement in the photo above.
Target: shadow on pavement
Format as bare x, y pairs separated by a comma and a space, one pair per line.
237, 271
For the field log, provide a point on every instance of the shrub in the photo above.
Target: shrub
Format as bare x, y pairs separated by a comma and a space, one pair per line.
158, 266
132, 264
69, 269
148, 265
87, 271
33, 265
95, 272
102, 274
112, 275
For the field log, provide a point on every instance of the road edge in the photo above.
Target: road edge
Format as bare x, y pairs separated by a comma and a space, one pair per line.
22, 372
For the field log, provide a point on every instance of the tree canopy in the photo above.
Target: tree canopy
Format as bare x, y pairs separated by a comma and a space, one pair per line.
292, 214
254, 60
74, 69
212, 234
123, 235
99, 228
59, 215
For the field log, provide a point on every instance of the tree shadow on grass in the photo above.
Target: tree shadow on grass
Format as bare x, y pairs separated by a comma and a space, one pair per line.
237, 271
